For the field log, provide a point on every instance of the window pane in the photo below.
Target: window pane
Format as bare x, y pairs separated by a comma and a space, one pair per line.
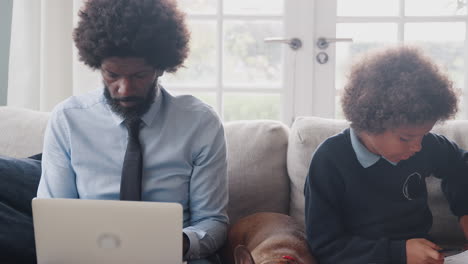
248, 60
367, 8
257, 7
444, 42
238, 106
434, 7
198, 6
200, 67
366, 36
462, 109
207, 98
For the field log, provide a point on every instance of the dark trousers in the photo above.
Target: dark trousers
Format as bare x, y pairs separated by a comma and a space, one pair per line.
18, 185
16, 236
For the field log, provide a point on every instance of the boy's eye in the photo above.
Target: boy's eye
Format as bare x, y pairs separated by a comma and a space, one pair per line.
140, 76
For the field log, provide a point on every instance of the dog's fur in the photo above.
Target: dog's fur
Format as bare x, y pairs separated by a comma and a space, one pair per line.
265, 238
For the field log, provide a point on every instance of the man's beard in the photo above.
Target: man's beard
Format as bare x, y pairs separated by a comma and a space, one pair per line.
142, 105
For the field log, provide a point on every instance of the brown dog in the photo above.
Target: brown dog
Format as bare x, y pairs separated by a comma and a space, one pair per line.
267, 238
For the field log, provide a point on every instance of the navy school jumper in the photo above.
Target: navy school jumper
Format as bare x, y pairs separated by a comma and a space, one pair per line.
357, 215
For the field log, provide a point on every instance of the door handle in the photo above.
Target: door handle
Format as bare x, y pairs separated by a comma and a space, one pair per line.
323, 43
294, 43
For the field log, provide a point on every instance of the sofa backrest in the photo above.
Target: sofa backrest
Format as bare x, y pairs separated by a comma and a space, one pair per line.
305, 136
21, 131
308, 132
258, 180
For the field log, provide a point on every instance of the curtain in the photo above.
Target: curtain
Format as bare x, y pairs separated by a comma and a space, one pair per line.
44, 68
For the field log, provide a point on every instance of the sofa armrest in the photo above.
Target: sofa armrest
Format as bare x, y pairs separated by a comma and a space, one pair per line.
22, 131
306, 135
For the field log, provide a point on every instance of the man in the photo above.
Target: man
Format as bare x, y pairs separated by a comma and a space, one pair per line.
92, 141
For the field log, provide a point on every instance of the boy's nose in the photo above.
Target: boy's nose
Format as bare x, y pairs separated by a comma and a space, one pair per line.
416, 146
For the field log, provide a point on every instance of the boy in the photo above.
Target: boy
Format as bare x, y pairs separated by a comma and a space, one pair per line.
366, 197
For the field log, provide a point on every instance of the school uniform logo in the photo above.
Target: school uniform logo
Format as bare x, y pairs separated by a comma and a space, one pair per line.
413, 188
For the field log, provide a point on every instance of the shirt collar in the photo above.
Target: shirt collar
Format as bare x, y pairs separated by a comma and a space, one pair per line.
149, 117
364, 156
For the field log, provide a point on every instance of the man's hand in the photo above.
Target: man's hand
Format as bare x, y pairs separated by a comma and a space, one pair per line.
186, 244
423, 251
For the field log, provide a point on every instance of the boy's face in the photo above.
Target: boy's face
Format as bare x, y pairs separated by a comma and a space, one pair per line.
397, 144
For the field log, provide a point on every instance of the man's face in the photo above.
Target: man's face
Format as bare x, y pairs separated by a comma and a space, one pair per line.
397, 144
130, 85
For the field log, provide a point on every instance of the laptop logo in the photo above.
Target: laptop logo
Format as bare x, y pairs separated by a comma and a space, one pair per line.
108, 241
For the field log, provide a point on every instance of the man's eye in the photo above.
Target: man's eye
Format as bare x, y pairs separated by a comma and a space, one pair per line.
404, 139
112, 75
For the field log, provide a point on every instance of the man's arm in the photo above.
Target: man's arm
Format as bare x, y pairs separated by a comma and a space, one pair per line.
58, 177
208, 191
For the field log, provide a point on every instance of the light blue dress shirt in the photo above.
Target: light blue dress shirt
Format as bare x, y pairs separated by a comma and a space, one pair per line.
184, 160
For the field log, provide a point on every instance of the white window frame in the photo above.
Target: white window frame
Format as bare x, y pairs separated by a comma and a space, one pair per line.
325, 26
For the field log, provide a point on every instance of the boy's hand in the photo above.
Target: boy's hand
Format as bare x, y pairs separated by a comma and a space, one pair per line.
423, 251
464, 226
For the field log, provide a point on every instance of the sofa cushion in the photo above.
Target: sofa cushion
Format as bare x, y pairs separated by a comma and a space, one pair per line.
308, 132
305, 136
22, 131
258, 179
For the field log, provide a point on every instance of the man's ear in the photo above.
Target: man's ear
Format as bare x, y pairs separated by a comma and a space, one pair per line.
242, 255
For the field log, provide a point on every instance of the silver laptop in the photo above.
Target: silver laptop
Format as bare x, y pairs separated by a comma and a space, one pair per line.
98, 231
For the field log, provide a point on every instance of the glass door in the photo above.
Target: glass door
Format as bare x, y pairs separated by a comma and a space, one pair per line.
437, 26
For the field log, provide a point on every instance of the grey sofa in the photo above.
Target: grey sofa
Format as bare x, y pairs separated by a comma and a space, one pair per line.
268, 162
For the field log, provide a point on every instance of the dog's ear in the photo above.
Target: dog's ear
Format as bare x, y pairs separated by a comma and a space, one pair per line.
242, 255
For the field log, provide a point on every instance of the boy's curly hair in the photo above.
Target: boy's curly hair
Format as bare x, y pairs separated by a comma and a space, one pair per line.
395, 87
151, 29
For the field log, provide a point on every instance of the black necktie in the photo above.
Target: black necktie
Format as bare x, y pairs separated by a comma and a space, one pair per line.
130, 184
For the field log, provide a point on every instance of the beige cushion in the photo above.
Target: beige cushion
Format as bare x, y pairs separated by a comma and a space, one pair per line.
305, 136
258, 179
22, 131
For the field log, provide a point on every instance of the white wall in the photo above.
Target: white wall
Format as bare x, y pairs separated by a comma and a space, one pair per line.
5, 26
